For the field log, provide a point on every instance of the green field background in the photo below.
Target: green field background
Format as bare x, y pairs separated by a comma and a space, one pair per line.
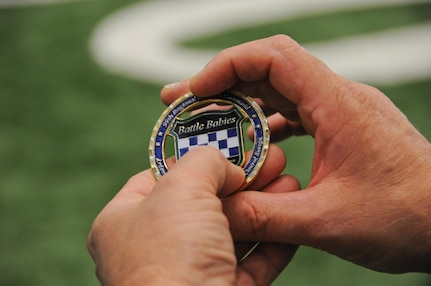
71, 134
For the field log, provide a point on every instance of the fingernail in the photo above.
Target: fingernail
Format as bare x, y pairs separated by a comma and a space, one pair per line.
171, 85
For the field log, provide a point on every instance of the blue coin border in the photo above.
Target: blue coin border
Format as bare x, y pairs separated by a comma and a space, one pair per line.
188, 102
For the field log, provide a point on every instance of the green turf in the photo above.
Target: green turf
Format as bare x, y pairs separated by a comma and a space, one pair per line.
322, 26
72, 134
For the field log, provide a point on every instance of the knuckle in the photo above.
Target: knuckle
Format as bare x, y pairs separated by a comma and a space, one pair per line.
91, 245
92, 238
282, 42
256, 218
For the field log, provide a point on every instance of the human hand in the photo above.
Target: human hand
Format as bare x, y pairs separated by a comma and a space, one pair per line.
369, 199
173, 232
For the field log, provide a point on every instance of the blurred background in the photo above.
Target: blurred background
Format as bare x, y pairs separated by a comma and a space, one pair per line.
79, 95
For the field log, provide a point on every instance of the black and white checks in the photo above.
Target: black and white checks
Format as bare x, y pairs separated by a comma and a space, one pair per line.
225, 140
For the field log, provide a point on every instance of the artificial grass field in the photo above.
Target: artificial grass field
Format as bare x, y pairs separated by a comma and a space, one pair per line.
71, 134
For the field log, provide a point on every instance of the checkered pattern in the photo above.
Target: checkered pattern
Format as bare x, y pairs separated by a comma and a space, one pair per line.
226, 141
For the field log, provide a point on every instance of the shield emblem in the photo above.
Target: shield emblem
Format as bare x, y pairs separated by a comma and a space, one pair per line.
221, 129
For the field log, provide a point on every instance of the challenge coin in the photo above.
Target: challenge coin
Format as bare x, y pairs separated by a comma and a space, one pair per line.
218, 121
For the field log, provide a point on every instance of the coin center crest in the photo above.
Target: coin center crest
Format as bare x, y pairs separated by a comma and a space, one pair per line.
219, 129
215, 121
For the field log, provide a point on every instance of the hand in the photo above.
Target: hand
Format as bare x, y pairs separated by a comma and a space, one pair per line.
369, 199
173, 232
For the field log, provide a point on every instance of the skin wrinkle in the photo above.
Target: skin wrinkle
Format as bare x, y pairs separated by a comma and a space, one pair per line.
214, 255
390, 169
334, 223
256, 217
331, 224
318, 223
190, 224
320, 160
257, 220
302, 229
356, 130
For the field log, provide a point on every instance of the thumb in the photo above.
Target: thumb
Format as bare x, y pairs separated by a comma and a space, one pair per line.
202, 170
286, 217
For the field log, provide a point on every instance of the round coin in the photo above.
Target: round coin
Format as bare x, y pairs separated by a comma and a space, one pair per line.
219, 127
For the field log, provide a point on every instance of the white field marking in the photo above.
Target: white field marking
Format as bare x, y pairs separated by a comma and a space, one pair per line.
141, 41
24, 3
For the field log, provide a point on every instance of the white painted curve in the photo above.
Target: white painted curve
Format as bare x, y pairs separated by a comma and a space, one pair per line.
141, 41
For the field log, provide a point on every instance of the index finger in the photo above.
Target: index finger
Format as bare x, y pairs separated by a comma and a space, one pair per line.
297, 76
288, 67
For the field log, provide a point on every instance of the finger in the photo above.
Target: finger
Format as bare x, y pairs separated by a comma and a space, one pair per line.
283, 184
274, 100
274, 164
281, 128
279, 125
265, 263
203, 169
171, 92
140, 184
258, 216
279, 60
292, 71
